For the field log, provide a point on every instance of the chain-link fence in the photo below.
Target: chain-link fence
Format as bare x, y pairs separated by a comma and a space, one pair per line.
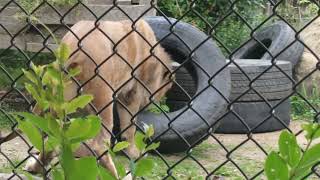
222, 115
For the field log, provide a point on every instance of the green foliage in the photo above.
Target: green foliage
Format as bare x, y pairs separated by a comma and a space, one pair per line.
276, 167
144, 165
13, 61
292, 163
300, 108
232, 31
66, 135
297, 12
62, 134
160, 107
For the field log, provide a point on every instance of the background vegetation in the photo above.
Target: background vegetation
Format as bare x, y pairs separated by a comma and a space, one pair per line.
232, 25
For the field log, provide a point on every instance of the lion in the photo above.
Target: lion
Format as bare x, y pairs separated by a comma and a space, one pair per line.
121, 65
307, 69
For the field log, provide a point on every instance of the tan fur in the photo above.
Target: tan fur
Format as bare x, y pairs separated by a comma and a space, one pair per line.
105, 73
308, 61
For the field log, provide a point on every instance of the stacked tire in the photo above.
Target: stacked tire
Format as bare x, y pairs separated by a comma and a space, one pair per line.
260, 91
257, 93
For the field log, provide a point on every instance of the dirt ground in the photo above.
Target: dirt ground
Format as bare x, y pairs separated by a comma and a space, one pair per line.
241, 149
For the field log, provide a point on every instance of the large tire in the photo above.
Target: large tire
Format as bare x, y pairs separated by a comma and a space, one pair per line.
271, 83
257, 117
187, 126
185, 87
276, 38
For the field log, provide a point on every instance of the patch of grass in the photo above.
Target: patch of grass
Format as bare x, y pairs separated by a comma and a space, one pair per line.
207, 155
7, 168
5, 122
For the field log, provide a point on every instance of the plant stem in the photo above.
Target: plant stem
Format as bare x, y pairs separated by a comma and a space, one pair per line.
307, 148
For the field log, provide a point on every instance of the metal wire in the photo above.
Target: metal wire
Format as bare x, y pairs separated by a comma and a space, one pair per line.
16, 35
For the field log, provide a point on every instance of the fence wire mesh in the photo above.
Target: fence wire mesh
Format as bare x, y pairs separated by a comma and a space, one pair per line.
232, 24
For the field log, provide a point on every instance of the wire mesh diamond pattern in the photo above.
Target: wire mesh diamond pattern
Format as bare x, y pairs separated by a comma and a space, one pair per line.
209, 150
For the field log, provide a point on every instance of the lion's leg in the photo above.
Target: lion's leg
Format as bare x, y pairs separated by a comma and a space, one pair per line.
127, 112
101, 142
35, 167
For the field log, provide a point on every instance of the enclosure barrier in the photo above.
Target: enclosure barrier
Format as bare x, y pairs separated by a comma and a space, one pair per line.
236, 25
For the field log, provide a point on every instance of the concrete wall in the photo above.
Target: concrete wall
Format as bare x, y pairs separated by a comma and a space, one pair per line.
15, 32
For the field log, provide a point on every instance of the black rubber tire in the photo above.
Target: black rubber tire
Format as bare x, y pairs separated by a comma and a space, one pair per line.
276, 38
185, 127
252, 114
272, 84
185, 87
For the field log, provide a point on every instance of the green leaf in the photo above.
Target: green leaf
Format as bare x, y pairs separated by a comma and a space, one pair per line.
289, 148
276, 168
121, 170
38, 70
311, 157
150, 131
30, 76
28, 175
144, 167
139, 141
75, 146
31, 89
300, 173
51, 76
152, 146
67, 161
132, 166
74, 71
78, 102
57, 175
86, 169
120, 146
38, 121
31, 132
63, 53
312, 130
51, 144
165, 108
54, 127
41, 102
105, 174
88, 127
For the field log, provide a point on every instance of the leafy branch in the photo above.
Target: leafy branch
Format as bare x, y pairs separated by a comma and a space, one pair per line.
291, 163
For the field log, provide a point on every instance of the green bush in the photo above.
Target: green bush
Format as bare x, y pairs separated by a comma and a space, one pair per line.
232, 31
11, 61
302, 107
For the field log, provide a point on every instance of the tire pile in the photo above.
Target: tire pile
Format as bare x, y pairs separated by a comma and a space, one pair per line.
261, 87
251, 112
251, 95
